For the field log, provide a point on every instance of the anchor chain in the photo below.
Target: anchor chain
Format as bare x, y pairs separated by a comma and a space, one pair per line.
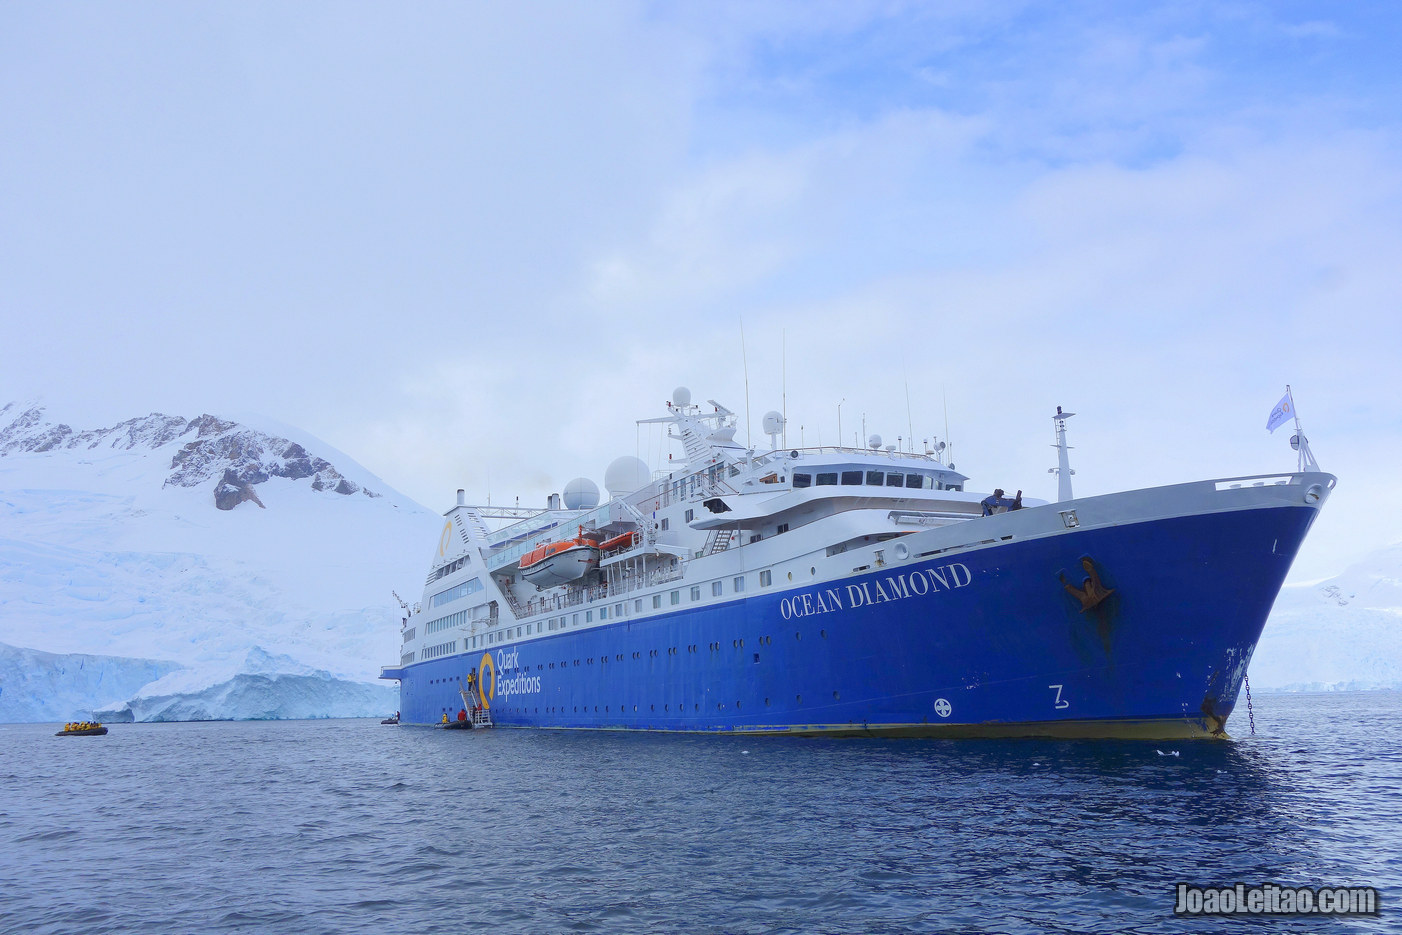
1250, 715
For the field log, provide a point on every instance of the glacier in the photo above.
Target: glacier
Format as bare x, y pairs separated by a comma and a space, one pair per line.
120, 557
1341, 634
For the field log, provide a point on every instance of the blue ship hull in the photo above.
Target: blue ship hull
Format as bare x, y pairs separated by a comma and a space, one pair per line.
995, 641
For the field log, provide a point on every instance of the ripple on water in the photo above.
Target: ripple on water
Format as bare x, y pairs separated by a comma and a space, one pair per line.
352, 827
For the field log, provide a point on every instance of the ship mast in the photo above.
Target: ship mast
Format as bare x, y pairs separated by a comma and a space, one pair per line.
1063, 470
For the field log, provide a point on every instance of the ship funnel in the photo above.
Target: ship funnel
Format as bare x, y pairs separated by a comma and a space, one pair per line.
462, 497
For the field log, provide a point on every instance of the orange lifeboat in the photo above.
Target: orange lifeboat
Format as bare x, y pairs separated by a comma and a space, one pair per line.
559, 562
622, 541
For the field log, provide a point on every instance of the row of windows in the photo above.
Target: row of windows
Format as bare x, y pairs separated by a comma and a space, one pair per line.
448, 569
457, 591
407, 658
409, 634
624, 708
567, 620
737, 643
443, 623
442, 649
870, 478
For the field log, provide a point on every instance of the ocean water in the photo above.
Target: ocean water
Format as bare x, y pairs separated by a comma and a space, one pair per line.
352, 827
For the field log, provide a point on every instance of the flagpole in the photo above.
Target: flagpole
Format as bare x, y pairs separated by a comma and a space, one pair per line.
1299, 432
1306, 461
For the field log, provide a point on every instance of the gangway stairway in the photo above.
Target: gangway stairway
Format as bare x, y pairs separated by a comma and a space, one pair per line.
481, 717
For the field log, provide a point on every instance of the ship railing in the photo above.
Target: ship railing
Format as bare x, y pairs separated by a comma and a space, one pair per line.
1256, 480
848, 450
537, 606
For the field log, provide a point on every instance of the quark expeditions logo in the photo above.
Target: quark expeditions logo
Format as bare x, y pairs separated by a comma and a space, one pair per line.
487, 684
897, 587
444, 539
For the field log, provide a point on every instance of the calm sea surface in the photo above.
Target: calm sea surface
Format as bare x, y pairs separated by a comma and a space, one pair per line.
349, 827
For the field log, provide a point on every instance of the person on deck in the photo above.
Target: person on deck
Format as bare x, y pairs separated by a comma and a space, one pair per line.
462, 715
992, 503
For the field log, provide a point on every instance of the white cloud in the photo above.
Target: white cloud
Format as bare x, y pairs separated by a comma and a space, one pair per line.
483, 239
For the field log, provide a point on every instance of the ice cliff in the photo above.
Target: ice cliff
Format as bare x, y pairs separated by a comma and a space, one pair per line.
1338, 635
255, 564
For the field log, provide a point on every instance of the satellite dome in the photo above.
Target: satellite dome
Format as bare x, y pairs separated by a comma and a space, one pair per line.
874, 441
681, 396
581, 494
625, 475
773, 422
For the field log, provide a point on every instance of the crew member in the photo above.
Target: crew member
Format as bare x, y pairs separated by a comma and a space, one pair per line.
462, 715
992, 503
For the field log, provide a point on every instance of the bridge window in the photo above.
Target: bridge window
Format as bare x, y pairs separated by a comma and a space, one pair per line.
827, 480
875, 478
914, 480
802, 480
851, 477
895, 480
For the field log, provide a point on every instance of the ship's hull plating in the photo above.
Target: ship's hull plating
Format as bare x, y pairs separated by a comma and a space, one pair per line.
989, 641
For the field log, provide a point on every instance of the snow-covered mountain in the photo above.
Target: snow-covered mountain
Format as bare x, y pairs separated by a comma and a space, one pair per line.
1338, 635
240, 570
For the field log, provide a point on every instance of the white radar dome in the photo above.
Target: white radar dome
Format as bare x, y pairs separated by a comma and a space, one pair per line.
681, 396
773, 422
874, 441
581, 494
625, 475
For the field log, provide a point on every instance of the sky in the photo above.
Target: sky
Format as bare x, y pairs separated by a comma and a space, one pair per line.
471, 244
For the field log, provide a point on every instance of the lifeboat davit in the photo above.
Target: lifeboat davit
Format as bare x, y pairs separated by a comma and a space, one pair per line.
559, 562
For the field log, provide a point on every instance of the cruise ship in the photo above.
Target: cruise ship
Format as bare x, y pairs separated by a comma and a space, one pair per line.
850, 591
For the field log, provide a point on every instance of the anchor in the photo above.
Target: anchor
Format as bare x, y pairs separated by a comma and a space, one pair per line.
1091, 593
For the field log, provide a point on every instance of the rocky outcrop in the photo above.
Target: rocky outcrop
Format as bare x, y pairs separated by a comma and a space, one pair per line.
233, 457
232, 491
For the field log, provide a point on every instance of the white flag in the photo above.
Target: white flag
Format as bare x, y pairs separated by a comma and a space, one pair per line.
1282, 413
